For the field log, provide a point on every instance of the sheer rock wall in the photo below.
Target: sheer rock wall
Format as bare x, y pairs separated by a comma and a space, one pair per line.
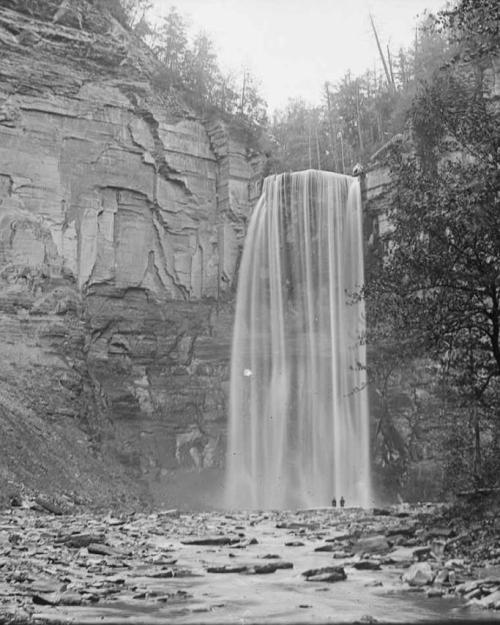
122, 215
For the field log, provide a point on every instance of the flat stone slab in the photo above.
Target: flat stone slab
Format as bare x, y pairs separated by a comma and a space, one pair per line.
212, 567
211, 540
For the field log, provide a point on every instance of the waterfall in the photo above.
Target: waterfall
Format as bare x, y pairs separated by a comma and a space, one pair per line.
298, 427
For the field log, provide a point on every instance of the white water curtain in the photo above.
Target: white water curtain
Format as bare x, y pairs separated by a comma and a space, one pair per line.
298, 427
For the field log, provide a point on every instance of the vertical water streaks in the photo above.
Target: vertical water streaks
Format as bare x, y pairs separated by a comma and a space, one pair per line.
298, 427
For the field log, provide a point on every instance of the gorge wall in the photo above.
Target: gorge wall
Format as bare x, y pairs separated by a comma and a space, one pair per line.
122, 215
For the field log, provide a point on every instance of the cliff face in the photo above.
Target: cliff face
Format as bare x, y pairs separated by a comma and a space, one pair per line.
122, 215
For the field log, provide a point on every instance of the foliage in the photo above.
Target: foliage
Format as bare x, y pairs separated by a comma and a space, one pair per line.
191, 65
474, 26
358, 115
438, 284
186, 64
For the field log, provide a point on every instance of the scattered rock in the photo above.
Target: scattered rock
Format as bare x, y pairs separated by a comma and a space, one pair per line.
242, 544
227, 568
491, 600
466, 587
367, 565
48, 505
329, 548
211, 540
46, 586
401, 530
325, 574
263, 569
473, 594
294, 525
402, 556
372, 544
58, 598
79, 560
83, 540
442, 577
52, 598
422, 553
441, 532
338, 537
342, 554
438, 547
271, 556
419, 574
173, 513
283, 564
102, 550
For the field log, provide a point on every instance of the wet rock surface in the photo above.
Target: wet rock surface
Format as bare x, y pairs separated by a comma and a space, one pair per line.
224, 567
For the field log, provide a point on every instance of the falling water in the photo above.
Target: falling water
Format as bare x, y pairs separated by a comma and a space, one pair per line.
298, 430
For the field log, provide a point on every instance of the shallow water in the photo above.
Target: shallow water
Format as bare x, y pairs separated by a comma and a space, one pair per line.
281, 597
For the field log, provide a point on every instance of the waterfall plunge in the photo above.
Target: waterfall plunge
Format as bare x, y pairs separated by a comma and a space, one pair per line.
298, 430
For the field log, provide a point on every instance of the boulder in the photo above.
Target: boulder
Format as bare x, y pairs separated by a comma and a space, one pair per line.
442, 577
402, 555
325, 574
401, 530
342, 554
328, 547
419, 574
372, 544
490, 601
367, 565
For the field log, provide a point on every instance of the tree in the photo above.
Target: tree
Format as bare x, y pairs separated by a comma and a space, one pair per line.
252, 105
441, 267
190, 65
200, 69
171, 42
300, 134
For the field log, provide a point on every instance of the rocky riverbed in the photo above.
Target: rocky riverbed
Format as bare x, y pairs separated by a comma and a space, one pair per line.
400, 564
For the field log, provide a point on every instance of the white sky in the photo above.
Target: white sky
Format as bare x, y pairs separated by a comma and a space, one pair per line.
293, 46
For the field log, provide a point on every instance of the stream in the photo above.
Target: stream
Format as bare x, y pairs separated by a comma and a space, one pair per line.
217, 567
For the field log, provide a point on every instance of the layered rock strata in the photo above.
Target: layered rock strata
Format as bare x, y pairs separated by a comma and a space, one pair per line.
122, 215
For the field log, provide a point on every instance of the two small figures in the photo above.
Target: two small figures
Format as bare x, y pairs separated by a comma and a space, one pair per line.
342, 502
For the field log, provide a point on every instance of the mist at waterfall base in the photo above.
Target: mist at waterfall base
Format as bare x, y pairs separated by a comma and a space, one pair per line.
298, 427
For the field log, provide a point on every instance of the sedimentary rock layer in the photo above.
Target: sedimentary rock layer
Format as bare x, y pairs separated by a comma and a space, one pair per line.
122, 214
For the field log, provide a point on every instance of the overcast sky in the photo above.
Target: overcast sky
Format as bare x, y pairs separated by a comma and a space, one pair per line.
293, 46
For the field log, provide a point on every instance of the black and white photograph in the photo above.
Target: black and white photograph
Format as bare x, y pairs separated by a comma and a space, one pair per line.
249, 312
